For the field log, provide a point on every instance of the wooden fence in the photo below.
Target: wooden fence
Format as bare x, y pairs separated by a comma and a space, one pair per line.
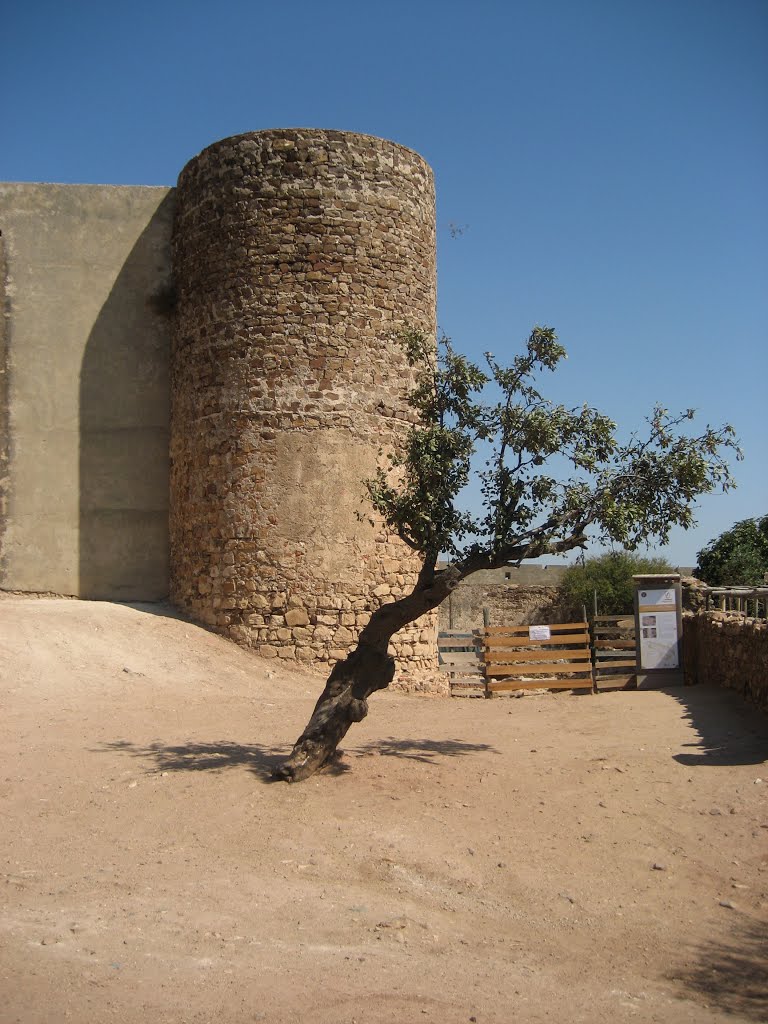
564, 656
555, 657
738, 600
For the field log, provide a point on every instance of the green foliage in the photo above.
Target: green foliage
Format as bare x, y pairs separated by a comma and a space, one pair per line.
611, 576
625, 493
738, 557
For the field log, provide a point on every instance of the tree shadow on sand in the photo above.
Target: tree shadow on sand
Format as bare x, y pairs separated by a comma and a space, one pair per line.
732, 974
262, 760
425, 750
202, 757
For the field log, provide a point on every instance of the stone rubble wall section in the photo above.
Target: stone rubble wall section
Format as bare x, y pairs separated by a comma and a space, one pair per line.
506, 606
729, 651
298, 254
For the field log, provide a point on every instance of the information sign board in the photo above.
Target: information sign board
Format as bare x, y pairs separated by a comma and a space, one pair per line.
658, 629
658, 636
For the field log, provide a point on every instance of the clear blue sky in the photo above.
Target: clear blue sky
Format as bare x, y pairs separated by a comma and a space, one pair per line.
609, 159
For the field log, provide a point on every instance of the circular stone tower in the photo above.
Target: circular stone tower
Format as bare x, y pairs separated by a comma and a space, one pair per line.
298, 255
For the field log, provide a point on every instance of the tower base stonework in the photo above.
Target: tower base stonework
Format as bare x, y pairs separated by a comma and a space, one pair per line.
298, 256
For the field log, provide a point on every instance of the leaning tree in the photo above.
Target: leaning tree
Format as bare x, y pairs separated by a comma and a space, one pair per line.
628, 493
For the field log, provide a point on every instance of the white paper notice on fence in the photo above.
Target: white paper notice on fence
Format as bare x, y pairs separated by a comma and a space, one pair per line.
658, 629
539, 633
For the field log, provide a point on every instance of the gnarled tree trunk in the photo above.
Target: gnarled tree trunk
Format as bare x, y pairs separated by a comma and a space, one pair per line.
368, 668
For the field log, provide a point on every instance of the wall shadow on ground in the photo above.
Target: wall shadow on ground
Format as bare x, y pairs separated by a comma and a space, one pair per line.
124, 412
729, 973
732, 973
730, 731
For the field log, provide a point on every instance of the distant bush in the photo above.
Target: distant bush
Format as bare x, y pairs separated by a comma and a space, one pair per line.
611, 576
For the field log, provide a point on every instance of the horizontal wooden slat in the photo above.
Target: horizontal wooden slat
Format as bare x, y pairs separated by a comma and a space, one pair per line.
523, 630
512, 656
611, 631
535, 670
458, 657
542, 684
509, 641
616, 683
506, 630
611, 666
616, 644
607, 653
614, 618
521, 667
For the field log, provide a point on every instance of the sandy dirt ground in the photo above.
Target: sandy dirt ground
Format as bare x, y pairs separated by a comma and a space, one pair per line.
551, 858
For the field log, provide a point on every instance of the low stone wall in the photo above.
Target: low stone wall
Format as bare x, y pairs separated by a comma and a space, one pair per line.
729, 651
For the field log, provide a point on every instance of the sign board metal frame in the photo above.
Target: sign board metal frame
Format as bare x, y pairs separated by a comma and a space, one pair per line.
659, 630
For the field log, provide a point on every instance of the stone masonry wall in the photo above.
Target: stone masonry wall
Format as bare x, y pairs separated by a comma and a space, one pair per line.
297, 256
507, 606
729, 651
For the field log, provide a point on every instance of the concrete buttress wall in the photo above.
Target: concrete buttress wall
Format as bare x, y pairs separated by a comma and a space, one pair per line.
84, 390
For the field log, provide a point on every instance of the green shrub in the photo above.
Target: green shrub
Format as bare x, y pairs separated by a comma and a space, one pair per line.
611, 576
738, 557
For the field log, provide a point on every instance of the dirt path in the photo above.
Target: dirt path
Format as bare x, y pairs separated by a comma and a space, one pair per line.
552, 858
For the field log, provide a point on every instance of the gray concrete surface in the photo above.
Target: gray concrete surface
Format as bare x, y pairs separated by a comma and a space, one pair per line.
84, 390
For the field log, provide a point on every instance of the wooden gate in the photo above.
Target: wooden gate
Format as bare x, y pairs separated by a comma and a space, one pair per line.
555, 657
615, 652
461, 659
